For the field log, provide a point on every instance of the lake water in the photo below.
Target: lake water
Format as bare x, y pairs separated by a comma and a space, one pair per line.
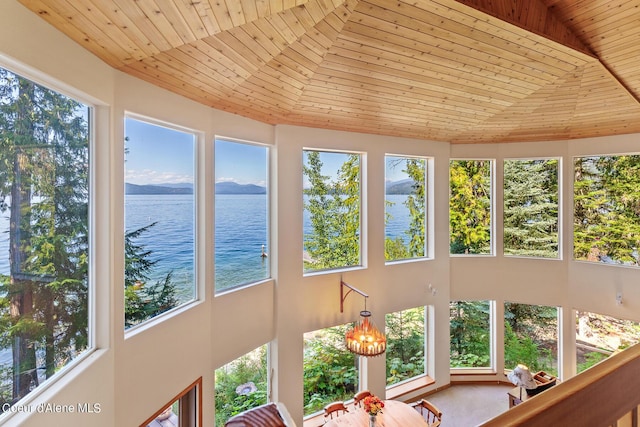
241, 230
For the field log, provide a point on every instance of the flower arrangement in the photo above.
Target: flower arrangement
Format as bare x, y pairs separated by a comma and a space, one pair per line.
373, 405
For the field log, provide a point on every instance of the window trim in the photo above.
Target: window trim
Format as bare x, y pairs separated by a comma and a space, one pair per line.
429, 229
363, 239
269, 217
190, 404
198, 290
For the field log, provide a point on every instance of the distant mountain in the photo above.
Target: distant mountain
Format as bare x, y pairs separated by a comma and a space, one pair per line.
221, 188
400, 187
235, 188
158, 189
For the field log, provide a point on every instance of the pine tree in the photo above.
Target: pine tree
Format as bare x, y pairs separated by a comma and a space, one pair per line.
144, 301
607, 209
531, 208
44, 170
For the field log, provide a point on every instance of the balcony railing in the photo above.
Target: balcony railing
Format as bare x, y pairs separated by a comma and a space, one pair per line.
607, 394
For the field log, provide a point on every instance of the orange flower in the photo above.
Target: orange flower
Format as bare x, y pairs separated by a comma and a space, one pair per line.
373, 405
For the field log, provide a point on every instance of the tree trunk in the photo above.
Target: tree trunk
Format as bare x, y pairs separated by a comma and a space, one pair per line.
21, 287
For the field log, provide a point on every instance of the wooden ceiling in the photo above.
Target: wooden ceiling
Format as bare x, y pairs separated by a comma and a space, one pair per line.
463, 71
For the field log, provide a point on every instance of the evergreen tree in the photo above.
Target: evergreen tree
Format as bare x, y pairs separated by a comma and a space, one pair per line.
470, 333
607, 209
405, 344
44, 170
531, 208
143, 301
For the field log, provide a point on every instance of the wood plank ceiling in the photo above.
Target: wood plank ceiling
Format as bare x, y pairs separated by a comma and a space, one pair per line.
465, 71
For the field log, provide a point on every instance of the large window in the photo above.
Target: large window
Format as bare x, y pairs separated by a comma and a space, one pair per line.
44, 234
405, 208
405, 344
470, 206
470, 334
531, 197
599, 336
330, 370
241, 384
607, 209
531, 337
332, 210
159, 219
241, 214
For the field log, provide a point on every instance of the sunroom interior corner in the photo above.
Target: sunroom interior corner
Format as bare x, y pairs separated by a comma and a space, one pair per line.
131, 375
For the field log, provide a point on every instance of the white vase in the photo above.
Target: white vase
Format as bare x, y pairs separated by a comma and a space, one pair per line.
372, 420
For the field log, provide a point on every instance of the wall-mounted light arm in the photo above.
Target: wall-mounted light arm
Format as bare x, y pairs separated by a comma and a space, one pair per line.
364, 339
344, 295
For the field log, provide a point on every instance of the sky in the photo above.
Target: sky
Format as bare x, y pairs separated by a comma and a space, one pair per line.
160, 155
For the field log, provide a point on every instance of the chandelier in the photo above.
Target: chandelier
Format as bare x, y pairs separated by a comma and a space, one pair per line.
364, 339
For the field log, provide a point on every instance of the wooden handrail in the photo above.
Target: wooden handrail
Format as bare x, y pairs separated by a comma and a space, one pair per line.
599, 396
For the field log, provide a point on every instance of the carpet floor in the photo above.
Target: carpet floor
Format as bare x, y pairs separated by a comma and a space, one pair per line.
470, 405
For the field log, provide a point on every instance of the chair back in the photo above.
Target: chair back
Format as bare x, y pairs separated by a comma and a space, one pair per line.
334, 409
429, 411
357, 399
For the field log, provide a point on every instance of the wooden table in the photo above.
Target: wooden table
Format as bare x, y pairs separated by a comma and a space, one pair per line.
394, 414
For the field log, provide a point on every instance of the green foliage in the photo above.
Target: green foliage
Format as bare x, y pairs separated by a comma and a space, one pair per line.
44, 173
531, 208
415, 202
470, 334
470, 206
334, 212
330, 371
591, 359
405, 344
143, 301
607, 209
395, 249
250, 368
531, 336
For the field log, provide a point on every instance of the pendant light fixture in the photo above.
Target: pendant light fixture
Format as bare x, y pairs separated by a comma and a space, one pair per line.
364, 339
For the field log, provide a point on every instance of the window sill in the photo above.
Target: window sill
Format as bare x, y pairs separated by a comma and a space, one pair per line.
398, 390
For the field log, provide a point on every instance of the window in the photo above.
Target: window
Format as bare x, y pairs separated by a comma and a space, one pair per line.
599, 336
159, 219
531, 197
606, 215
470, 207
184, 411
332, 211
330, 370
405, 344
241, 384
44, 234
470, 334
405, 208
531, 337
241, 214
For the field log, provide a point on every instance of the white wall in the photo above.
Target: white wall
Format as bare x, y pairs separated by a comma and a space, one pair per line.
133, 376
308, 303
